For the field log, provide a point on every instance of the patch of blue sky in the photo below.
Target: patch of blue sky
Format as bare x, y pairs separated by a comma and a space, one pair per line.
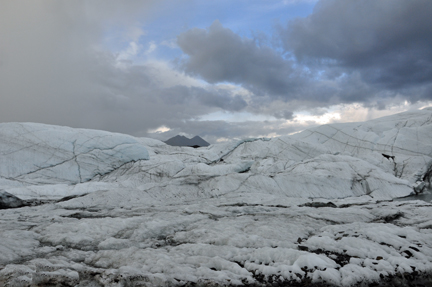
245, 17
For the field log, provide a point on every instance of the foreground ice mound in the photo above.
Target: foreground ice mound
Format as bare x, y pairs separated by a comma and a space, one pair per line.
216, 242
36, 153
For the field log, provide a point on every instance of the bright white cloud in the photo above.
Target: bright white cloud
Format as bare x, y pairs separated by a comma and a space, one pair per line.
152, 47
161, 129
129, 53
307, 119
170, 43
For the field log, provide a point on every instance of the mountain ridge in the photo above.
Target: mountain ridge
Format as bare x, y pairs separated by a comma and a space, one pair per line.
180, 140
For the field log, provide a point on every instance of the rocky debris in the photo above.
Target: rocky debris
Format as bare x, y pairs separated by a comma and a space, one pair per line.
319, 204
8, 200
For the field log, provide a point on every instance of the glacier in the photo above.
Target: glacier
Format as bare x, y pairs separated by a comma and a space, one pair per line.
36, 153
318, 208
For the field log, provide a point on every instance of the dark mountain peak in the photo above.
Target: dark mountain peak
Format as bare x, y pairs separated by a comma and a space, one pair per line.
196, 140
178, 137
179, 140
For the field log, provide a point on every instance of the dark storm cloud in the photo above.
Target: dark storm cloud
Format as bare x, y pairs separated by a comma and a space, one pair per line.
217, 54
346, 51
388, 41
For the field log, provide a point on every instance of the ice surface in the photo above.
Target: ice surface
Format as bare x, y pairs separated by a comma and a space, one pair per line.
203, 240
36, 153
112, 210
406, 136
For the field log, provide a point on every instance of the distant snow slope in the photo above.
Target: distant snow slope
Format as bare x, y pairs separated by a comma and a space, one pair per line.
36, 153
107, 209
406, 136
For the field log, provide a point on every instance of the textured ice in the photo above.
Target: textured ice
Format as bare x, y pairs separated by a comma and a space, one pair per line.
406, 136
36, 153
112, 210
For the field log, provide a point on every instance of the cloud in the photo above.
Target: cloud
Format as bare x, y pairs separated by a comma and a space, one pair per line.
49, 60
217, 55
53, 70
332, 64
387, 41
288, 115
56, 67
137, 98
131, 51
182, 95
152, 47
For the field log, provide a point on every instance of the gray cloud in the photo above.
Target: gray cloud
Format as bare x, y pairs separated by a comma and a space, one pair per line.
51, 71
388, 41
217, 54
49, 66
288, 115
133, 101
346, 51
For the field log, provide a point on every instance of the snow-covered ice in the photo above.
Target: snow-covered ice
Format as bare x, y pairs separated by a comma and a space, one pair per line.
103, 209
36, 153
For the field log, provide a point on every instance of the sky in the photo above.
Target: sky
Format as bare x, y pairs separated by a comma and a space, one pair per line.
222, 69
